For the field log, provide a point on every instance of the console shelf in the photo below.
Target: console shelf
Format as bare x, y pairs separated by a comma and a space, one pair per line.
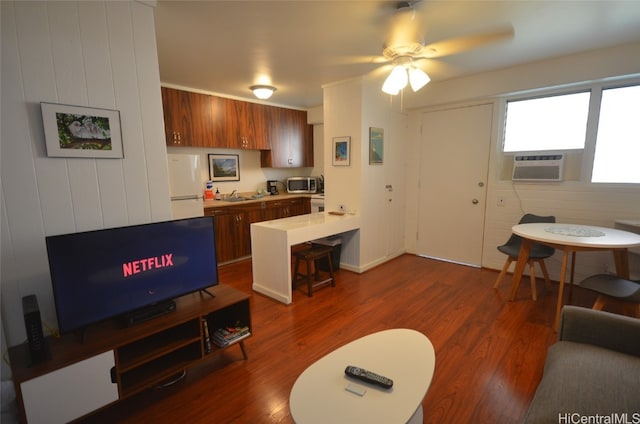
137, 358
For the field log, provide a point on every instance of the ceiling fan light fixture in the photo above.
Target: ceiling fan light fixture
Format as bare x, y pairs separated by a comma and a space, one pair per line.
262, 92
418, 78
396, 81
390, 90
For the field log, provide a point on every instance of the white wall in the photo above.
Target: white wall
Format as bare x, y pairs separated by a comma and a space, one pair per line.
342, 104
575, 201
98, 54
252, 176
350, 108
382, 209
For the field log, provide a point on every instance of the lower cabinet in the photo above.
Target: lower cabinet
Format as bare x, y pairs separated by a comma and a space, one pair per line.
114, 363
233, 229
70, 392
288, 207
233, 223
230, 232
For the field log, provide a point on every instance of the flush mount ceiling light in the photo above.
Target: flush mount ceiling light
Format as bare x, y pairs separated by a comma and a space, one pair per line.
262, 91
402, 74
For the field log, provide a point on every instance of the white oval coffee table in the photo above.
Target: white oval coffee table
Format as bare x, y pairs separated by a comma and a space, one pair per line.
406, 356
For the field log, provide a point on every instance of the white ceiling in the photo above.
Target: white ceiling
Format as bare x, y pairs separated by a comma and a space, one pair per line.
297, 46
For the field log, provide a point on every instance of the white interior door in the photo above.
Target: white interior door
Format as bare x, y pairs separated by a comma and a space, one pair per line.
453, 176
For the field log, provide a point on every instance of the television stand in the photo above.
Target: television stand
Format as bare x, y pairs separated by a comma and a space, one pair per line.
117, 363
148, 312
173, 380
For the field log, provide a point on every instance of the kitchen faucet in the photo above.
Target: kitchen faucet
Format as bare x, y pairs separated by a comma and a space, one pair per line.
234, 194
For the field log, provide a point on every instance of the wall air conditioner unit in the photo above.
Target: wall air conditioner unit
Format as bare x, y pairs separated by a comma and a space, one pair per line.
538, 167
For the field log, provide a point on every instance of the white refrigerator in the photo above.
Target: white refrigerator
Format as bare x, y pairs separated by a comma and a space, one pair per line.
185, 186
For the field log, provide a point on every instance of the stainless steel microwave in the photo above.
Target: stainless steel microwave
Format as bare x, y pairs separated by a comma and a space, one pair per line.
302, 185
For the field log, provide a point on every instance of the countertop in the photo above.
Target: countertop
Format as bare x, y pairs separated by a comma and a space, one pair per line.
265, 198
308, 221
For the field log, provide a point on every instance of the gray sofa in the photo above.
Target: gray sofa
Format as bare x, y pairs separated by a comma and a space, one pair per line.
593, 369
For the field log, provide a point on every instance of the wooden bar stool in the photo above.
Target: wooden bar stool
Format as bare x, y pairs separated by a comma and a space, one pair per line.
311, 256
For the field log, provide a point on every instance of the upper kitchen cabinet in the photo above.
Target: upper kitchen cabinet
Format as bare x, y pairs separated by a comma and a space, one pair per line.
291, 140
245, 125
202, 120
189, 118
282, 135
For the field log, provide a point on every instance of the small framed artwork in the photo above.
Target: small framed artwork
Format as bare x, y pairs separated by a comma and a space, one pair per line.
224, 167
341, 151
81, 132
376, 145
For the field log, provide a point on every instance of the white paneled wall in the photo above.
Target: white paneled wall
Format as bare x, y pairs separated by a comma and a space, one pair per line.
570, 202
97, 54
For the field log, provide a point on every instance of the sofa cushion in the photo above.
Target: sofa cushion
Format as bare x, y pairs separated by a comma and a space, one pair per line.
586, 380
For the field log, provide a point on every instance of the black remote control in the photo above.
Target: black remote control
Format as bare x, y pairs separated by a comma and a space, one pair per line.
368, 376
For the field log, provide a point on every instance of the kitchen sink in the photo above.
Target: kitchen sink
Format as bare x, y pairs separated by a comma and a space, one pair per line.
237, 199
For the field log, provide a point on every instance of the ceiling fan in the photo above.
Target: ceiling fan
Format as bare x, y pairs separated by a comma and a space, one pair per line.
405, 47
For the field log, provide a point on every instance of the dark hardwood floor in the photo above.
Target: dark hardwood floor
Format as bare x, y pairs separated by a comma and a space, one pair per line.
489, 352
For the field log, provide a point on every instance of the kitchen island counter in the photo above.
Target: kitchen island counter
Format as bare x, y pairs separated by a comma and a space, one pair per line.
271, 243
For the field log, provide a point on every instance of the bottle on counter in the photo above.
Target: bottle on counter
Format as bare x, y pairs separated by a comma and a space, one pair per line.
208, 191
218, 195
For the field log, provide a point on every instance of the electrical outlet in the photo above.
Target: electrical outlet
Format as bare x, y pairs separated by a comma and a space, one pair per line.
501, 202
342, 208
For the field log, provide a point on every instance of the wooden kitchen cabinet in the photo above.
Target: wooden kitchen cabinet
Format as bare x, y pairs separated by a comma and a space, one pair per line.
233, 223
191, 119
177, 117
288, 207
291, 140
284, 138
230, 226
245, 125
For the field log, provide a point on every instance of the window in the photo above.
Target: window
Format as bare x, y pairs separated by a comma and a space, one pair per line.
617, 155
547, 123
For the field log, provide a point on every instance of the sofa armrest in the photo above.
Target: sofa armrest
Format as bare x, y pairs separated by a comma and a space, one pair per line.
599, 328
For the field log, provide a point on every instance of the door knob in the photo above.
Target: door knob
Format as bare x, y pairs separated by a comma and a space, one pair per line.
474, 201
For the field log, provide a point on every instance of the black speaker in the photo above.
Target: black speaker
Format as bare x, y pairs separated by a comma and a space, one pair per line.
38, 348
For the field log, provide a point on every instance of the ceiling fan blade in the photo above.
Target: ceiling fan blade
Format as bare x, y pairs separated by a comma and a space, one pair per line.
355, 60
437, 69
464, 43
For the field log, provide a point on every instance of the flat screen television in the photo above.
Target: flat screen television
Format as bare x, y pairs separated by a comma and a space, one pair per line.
104, 274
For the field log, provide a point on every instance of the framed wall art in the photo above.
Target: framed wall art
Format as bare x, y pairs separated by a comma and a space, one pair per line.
81, 132
376, 146
224, 167
341, 151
